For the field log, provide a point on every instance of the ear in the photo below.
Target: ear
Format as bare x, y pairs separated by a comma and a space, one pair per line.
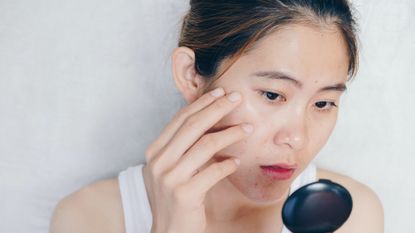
189, 83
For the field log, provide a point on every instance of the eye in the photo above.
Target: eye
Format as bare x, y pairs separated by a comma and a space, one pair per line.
272, 97
325, 105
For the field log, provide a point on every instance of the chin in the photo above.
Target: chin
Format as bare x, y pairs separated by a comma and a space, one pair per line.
259, 192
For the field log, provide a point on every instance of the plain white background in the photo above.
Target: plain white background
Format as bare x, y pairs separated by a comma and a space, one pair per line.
85, 86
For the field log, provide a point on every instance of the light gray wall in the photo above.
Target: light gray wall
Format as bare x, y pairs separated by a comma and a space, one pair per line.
85, 85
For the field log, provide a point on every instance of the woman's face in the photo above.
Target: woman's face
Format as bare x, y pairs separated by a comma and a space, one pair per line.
290, 83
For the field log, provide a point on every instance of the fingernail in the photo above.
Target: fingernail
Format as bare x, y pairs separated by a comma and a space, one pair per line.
217, 92
234, 96
247, 127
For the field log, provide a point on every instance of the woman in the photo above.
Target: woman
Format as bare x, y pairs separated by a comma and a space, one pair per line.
263, 81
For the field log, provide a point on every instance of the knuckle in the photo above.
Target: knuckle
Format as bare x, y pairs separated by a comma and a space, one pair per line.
155, 167
191, 122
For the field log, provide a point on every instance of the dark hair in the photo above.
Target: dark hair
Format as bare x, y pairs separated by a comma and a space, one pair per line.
223, 30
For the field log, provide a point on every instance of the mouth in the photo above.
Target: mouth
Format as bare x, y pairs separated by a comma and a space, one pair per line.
279, 171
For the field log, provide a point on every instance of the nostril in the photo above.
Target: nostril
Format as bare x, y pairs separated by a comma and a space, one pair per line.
294, 139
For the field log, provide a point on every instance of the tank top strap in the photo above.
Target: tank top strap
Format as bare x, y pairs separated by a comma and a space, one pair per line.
136, 206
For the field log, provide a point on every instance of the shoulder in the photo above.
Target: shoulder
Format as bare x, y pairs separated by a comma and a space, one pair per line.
367, 213
94, 208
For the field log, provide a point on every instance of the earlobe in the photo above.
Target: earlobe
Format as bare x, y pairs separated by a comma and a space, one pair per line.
189, 83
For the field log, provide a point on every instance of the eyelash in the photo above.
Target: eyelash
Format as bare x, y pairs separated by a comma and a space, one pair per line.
263, 93
330, 103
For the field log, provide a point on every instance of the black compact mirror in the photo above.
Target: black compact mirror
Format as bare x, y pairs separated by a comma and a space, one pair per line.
319, 207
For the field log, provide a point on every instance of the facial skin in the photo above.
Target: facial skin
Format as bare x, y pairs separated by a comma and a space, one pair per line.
290, 126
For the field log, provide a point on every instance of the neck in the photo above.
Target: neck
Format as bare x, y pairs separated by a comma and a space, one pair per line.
225, 203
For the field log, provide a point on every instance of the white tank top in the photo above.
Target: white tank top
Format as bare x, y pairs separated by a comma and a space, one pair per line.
136, 206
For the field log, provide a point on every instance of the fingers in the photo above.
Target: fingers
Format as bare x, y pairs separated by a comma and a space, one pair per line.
179, 119
205, 148
207, 178
194, 127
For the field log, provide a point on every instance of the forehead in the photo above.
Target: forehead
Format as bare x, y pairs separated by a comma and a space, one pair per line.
317, 54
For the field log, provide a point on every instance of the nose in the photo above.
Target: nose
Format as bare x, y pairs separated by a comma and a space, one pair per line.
293, 132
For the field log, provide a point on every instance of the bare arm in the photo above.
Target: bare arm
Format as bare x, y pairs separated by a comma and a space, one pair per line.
95, 208
367, 214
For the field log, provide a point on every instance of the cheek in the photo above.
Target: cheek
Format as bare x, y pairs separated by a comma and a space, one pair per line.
320, 131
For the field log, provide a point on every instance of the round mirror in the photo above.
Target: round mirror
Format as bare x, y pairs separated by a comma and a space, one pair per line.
319, 207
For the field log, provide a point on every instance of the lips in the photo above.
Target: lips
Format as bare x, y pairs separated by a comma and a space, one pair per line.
279, 171
281, 166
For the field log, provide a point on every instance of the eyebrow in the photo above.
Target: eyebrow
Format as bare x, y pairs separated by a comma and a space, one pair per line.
282, 76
